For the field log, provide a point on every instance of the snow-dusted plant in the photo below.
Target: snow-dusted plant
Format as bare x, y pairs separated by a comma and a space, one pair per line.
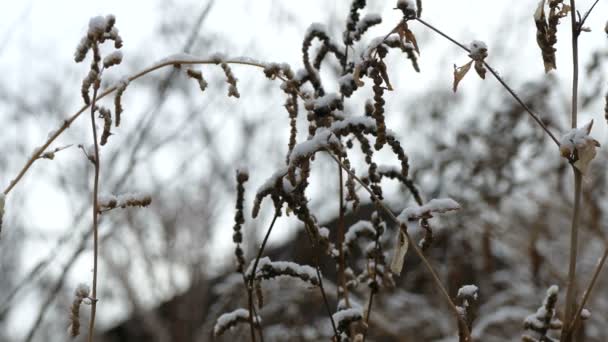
340, 134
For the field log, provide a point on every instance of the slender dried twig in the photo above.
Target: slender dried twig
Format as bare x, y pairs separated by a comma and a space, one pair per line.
97, 165
567, 333
500, 80
67, 122
594, 278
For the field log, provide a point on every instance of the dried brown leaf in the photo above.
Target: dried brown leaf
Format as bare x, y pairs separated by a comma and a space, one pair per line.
459, 73
480, 68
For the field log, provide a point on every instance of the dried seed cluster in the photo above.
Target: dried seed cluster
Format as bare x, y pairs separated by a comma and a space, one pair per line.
543, 320
100, 30
546, 29
237, 237
80, 294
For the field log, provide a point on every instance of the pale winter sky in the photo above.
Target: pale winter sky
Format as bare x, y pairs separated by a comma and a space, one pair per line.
36, 36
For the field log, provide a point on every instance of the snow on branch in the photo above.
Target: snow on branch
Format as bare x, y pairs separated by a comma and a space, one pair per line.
438, 205
579, 147
544, 318
268, 269
344, 318
108, 202
230, 319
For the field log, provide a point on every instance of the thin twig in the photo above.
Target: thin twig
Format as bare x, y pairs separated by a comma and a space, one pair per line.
500, 80
417, 249
567, 333
341, 231
255, 266
67, 122
582, 22
315, 260
594, 278
97, 165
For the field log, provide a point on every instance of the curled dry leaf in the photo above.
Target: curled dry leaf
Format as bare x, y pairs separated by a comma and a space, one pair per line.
459, 73
406, 35
400, 252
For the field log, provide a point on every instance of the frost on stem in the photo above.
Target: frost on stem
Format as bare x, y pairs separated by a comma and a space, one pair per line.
579, 147
81, 293
230, 319
543, 319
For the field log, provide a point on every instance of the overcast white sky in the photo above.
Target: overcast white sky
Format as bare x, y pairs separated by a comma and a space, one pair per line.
36, 36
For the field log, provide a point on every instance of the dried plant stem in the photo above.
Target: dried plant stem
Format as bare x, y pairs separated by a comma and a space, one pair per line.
567, 331
372, 292
413, 245
596, 273
500, 80
67, 122
341, 231
97, 165
255, 266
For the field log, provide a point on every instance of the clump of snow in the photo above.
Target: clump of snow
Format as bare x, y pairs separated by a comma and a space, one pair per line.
98, 24
230, 319
470, 291
269, 269
579, 146
577, 137
553, 290
365, 121
478, 47
410, 5
360, 228
440, 205
344, 317
323, 138
585, 314
324, 233
316, 27
82, 290
112, 59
